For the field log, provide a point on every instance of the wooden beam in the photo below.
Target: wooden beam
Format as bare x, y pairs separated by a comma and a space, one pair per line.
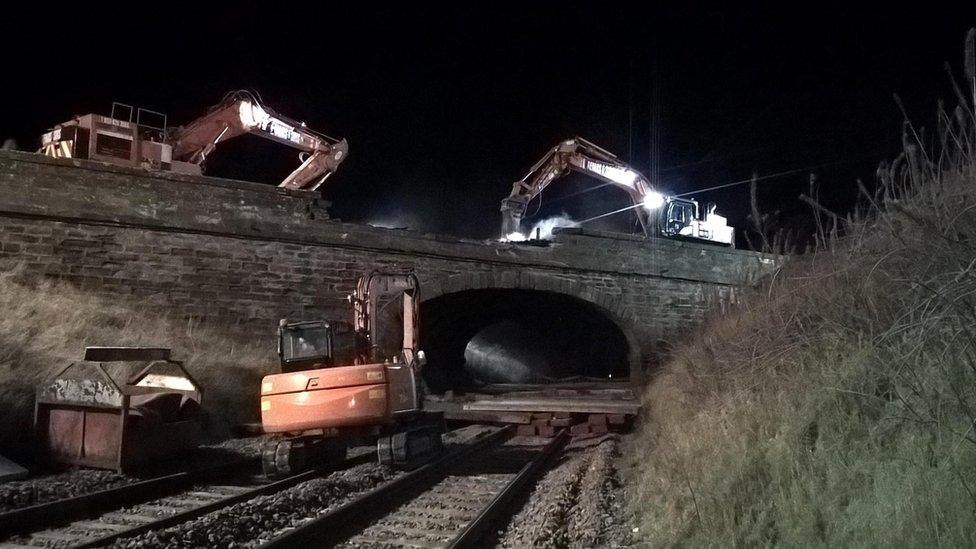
555, 404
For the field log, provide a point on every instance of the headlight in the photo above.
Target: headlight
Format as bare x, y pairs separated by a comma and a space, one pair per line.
653, 200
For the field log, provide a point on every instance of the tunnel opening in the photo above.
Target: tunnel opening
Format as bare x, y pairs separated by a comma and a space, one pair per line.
479, 339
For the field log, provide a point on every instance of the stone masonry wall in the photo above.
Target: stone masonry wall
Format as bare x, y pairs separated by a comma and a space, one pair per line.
245, 255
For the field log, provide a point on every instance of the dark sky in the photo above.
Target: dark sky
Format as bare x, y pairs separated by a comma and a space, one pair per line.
445, 107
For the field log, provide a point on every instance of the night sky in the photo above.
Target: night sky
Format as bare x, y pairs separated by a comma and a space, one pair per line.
445, 108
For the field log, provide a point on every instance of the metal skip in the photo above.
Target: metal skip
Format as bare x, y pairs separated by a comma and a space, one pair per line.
85, 416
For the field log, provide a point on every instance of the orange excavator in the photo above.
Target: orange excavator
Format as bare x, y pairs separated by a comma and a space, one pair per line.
342, 381
140, 138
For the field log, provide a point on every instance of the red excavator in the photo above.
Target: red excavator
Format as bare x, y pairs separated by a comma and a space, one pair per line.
140, 138
339, 382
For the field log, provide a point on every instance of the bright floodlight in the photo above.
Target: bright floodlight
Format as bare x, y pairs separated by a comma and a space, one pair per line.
653, 200
252, 114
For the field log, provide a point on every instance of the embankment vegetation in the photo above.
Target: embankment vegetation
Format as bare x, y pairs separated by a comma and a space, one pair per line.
47, 324
836, 404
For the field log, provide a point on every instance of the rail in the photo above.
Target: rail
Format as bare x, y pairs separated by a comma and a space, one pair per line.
461, 496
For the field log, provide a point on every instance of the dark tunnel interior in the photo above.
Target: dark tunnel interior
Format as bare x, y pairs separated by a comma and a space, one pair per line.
476, 338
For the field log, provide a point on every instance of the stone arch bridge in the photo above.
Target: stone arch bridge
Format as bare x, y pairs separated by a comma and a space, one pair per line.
244, 255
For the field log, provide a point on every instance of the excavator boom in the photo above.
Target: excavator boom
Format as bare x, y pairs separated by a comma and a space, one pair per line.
242, 113
579, 155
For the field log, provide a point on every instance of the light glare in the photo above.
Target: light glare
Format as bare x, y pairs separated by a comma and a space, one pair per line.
653, 200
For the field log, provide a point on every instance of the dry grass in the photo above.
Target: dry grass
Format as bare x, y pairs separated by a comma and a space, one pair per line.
46, 325
836, 405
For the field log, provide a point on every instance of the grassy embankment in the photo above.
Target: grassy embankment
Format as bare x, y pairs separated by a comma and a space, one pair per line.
835, 405
46, 325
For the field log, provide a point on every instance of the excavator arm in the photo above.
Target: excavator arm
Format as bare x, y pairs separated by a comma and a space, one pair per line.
375, 292
241, 112
578, 155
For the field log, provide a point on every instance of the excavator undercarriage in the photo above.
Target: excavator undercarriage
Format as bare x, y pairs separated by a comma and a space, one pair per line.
404, 445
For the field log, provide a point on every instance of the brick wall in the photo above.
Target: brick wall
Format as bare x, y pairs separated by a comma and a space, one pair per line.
245, 255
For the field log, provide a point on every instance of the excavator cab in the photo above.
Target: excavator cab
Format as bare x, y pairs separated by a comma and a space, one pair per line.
678, 214
681, 218
317, 343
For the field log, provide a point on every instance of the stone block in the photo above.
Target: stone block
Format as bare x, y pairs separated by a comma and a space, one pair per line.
580, 429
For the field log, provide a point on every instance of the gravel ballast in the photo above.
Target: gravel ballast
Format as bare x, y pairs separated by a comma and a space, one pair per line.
261, 518
79, 481
576, 504
24, 493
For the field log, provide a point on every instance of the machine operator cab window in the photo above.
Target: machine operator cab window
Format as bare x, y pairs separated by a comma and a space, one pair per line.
318, 343
679, 214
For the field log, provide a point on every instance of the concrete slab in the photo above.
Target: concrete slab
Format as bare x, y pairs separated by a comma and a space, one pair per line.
10, 470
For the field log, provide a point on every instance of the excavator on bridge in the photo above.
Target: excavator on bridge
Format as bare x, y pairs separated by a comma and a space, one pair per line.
141, 138
658, 214
342, 381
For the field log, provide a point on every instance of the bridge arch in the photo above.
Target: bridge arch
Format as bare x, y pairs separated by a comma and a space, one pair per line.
518, 327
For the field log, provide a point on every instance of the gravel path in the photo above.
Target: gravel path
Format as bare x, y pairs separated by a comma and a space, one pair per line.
576, 504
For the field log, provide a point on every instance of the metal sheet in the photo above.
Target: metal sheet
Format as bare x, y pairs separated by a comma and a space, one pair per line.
83, 436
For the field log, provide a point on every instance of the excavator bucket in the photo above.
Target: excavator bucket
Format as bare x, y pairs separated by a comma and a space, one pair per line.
91, 414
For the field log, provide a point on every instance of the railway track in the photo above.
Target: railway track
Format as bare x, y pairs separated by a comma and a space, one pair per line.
102, 518
39, 516
98, 519
449, 503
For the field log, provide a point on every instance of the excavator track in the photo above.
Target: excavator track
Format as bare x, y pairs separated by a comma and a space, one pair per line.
409, 448
282, 458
